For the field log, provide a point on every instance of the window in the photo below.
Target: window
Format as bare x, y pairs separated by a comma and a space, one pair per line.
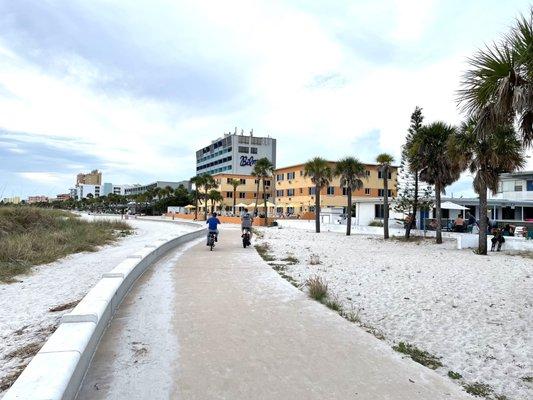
242, 195
279, 193
253, 150
244, 140
367, 191
301, 172
257, 141
529, 186
244, 149
380, 175
290, 192
344, 191
267, 183
312, 191
518, 187
242, 181
279, 177
301, 190
291, 175
378, 211
331, 190
255, 195
256, 181
229, 195
382, 191
367, 172
228, 180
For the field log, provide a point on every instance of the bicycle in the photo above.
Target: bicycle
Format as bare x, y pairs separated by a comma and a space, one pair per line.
211, 238
246, 238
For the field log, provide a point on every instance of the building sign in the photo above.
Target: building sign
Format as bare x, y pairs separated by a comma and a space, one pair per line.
247, 161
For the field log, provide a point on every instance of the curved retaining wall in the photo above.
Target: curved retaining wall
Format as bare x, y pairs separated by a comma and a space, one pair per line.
57, 370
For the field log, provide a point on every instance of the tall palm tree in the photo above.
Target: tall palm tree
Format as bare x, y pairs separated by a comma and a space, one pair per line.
385, 161
498, 87
486, 157
321, 174
265, 170
262, 170
215, 197
208, 182
352, 172
430, 152
197, 181
235, 183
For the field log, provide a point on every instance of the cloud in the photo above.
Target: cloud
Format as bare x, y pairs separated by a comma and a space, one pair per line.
134, 88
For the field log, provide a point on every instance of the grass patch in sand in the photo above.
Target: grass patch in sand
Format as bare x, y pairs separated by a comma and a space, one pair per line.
291, 260
263, 250
420, 356
317, 287
478, 389
33, 236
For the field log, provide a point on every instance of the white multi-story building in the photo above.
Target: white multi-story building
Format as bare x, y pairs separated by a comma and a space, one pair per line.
234, 154
515, 186
83, 191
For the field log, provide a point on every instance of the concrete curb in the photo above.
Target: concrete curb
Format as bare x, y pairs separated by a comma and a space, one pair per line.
57, 370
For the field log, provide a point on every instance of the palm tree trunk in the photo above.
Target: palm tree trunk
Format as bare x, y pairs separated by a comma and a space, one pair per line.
438, 214
482, 245
385, 203
196, 204
256, 198
205, 203
265, 203
349, 213
317, 209
234, 199
412, 223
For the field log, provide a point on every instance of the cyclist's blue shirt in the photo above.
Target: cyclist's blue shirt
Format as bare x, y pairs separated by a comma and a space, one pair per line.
213, 222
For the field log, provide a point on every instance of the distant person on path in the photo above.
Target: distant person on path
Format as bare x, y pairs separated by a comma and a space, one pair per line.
246, 222
212, 227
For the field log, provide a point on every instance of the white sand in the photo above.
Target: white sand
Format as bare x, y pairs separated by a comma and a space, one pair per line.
474, 312
25, 316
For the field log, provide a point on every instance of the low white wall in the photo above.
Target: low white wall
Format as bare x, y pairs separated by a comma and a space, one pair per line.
57, 370
464, 240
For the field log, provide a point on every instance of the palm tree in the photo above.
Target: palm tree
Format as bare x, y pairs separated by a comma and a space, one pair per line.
215, 197
168, 191
430, 152
197, 181
351, 172
486, 157
498, 87
235, 183
385, 161
158, 192
321, 174
263, 170
208, 182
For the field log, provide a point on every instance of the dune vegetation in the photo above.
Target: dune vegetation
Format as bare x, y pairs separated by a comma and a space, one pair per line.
32, 236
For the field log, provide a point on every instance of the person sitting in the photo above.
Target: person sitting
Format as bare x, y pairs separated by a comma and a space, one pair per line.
508, 230
213, 223
497, 238
458, 224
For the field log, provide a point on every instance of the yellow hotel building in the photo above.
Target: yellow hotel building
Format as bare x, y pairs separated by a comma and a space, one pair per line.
295, 193
246, 192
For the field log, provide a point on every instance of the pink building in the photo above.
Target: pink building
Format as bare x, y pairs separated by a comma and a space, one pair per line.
37, 199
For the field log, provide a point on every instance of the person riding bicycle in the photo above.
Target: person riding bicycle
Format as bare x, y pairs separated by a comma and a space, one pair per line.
246, 222
213, 222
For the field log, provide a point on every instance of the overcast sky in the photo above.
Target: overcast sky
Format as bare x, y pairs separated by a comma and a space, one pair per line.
133, 88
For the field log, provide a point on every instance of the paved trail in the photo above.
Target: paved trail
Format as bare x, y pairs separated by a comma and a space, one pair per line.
224, 325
